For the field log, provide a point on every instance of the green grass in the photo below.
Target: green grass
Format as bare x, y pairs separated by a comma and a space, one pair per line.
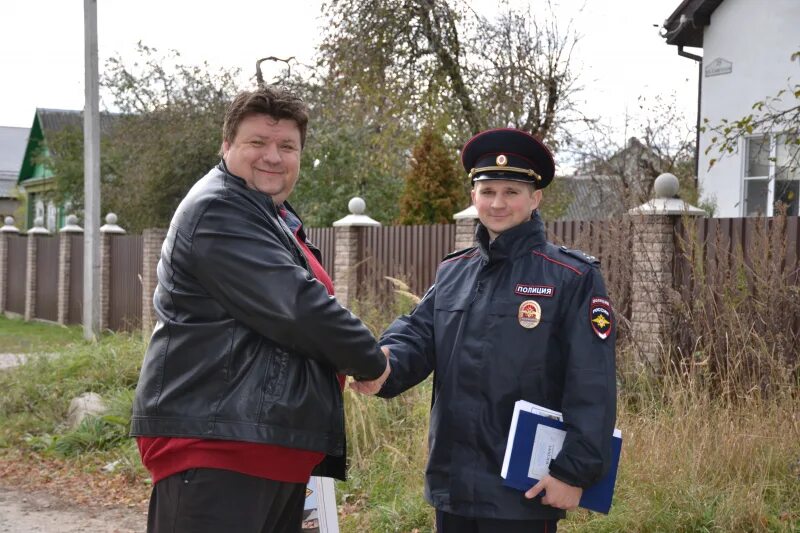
36, 395
18, 336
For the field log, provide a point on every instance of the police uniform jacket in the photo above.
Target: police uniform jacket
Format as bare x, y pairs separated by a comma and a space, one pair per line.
468, 330
248, 343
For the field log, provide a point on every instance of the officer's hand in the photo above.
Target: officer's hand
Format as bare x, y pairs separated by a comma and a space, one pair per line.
557, 493
372, 387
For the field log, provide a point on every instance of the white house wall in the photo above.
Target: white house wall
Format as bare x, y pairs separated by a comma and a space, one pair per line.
757, 37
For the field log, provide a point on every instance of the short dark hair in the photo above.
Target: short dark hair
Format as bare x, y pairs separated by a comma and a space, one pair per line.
277, 102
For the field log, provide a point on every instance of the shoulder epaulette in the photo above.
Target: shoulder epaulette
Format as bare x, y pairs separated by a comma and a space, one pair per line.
466, 253
581, 256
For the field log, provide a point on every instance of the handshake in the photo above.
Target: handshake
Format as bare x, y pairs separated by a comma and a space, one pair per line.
372, 387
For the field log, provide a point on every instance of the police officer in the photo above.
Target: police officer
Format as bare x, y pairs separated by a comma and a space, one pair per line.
512, 318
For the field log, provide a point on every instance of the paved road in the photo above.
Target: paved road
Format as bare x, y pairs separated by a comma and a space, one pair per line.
25, 512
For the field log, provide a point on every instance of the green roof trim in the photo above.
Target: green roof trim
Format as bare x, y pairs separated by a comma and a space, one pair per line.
36, 142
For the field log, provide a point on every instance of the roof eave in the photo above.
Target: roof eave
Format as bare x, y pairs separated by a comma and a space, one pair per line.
697, 15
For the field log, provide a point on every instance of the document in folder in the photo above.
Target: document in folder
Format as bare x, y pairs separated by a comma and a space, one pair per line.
535, 438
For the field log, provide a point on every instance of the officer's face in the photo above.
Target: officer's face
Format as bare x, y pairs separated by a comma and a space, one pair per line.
503, 204
266, 154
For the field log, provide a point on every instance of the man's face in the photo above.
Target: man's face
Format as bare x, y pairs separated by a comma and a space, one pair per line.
266, 154
503, 204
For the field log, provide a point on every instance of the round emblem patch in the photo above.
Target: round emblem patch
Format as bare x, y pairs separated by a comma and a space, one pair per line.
501, 160
530, 313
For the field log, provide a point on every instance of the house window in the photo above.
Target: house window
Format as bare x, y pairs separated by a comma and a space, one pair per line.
771, 174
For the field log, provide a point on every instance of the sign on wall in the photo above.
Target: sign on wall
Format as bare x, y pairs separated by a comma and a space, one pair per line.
718, 67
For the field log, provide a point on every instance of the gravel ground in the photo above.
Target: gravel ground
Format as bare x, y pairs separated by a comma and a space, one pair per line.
24, 512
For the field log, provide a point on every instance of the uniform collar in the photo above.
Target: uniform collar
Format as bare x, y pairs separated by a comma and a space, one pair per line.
513, 242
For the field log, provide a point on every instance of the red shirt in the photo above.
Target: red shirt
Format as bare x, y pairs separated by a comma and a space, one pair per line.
164, 456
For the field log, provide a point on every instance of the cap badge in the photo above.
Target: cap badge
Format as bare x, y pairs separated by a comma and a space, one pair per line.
501, 160
530, 313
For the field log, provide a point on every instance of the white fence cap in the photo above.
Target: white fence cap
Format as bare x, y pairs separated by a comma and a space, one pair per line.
357, 206
470, 212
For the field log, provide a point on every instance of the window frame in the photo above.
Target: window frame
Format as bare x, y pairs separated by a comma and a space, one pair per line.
770, 178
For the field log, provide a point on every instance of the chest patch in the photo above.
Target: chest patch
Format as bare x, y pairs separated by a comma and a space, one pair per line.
600, 317
530, 314
535, 290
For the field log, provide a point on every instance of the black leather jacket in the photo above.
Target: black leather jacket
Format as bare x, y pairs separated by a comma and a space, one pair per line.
469, 330
248, 343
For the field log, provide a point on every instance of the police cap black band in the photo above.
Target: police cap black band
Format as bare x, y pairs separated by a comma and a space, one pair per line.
508, 154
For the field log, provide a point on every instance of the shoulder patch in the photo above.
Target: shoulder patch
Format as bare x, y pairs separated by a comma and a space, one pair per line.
581, 256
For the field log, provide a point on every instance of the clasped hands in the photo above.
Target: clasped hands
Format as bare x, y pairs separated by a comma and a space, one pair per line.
372, 387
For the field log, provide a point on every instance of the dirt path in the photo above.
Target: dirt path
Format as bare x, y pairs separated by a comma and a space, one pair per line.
22, 511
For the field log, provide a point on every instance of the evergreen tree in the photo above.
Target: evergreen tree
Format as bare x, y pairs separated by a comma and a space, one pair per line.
434, 187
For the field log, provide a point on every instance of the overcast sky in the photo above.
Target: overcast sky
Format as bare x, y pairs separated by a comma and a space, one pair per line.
619, 57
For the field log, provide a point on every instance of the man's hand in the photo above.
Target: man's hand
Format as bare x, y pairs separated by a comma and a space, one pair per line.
557, 493
372, 387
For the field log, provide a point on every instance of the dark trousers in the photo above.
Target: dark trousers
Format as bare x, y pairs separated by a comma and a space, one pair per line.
206, 500
451, 523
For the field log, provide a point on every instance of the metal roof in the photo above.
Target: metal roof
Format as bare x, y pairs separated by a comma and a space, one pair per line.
57, 119
49, 121
592, 197
12, 150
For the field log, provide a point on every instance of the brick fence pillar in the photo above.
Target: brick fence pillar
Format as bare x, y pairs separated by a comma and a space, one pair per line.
8, 228
107, 232
34, 233
348, 238
64, 265
653, 257
466, 221
152, 240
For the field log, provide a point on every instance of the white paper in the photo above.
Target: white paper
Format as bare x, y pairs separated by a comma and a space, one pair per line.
523, 405
320, 514
547, 443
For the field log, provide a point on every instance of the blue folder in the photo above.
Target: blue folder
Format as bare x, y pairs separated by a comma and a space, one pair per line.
520, 448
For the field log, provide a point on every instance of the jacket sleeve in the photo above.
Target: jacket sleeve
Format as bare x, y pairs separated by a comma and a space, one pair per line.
589, 397
239, 258
410, 342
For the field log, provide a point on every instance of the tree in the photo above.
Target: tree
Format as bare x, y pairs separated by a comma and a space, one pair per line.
524, 77
437, 57
386, 68
434, 185
165, 136
353, 149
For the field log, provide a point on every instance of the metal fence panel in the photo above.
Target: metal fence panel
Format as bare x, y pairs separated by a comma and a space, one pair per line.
125, 286
17, 273
410, 253
721, 244
325, 240
75, 311
46, 306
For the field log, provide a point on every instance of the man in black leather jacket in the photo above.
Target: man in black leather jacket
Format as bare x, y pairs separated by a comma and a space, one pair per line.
240, 393
512, 318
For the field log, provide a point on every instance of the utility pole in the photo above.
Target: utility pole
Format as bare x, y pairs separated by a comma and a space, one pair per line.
91, 175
